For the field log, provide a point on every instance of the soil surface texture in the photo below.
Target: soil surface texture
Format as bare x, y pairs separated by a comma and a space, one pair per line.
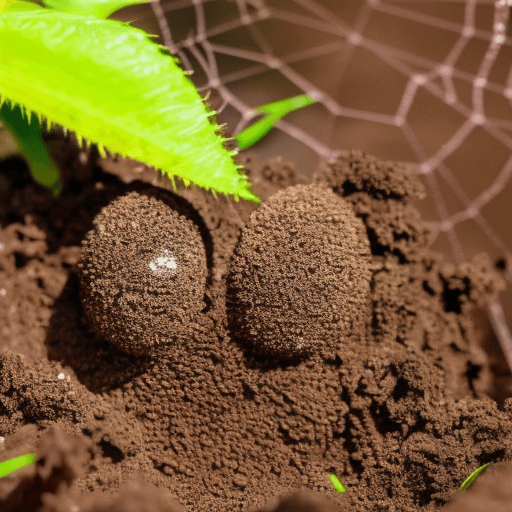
172, 351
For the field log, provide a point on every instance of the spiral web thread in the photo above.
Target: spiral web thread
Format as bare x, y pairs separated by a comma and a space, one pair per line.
446, 79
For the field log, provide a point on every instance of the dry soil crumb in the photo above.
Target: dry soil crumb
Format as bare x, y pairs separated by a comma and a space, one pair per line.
299, 279
143, 274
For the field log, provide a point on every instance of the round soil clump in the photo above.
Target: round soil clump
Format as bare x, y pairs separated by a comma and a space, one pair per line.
299, 278
142, 273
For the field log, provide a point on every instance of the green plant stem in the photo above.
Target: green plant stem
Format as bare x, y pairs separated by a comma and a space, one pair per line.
273, 112
28, 136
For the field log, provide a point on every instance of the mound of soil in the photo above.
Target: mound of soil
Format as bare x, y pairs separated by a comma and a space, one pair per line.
200, 354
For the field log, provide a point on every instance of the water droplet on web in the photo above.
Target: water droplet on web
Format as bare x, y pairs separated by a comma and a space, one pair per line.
477, 119
355, 38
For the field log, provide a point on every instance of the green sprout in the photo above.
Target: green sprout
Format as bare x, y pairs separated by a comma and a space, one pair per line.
471, 478
113, 86
273, 112
337, 484
9, 466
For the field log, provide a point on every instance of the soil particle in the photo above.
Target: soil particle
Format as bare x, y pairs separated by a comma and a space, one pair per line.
400, 410
299, 280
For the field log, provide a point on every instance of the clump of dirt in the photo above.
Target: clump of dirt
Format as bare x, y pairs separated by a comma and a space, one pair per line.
399, 410
142, 274
299, 279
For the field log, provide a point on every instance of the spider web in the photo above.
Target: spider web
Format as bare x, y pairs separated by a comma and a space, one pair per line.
424, 82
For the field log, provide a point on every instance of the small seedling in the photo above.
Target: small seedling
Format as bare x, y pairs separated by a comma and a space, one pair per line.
471, 478
273, 112
337, 484
9, 466
110, 84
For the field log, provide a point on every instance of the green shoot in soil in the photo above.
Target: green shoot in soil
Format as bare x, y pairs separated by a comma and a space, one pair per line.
471, 478
9, 466
273, 112
113, 86
337, 484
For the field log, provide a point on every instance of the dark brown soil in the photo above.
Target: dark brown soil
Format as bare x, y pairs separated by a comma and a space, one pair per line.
297, 343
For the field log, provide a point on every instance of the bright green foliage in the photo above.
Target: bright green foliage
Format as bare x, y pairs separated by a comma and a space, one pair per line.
337, 484
108, 82
28, 135
273, 112
471, 478
98, 8
9, 466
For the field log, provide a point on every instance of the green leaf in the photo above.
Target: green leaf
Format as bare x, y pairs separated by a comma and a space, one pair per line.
9, 466
28, 136
274, 112
98, 8
471, 478
337, 484
113, 86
